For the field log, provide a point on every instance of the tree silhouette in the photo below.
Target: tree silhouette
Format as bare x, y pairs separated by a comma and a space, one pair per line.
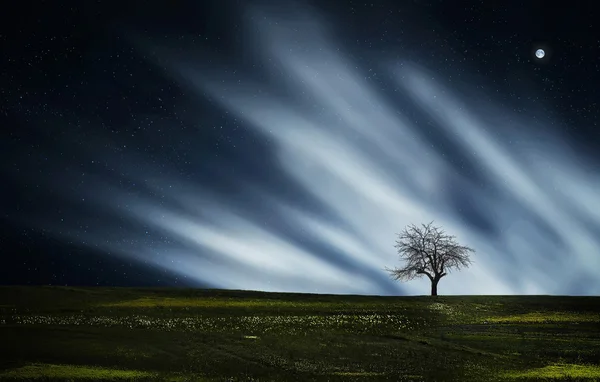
428, 250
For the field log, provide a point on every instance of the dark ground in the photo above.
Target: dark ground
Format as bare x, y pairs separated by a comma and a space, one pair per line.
108, 334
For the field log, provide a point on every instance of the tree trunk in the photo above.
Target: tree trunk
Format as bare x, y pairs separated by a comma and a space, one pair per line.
434, 284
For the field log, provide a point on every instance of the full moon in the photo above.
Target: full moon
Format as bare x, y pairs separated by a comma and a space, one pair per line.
540, 53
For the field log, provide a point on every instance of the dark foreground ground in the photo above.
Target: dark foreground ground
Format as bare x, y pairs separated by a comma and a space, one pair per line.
108, 334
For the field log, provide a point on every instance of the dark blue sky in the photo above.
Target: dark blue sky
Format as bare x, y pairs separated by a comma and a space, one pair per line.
248, 145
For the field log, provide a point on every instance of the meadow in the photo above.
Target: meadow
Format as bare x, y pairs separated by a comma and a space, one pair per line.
126, 334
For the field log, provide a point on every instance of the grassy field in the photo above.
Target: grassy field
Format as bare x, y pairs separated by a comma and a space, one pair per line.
109, 334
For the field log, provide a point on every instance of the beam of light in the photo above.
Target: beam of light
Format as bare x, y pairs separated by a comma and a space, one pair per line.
256, 250
342, 142
516, 178
329, 152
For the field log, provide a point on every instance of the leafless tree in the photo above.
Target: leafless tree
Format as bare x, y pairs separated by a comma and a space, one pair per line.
428, 250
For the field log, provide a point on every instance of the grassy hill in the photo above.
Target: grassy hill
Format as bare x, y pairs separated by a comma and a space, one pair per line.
108, 334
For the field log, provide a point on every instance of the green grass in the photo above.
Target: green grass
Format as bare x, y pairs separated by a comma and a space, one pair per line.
36, 371
558, 371
542, 317
121, 334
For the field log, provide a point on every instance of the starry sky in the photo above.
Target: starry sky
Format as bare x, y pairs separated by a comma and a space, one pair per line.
280, 146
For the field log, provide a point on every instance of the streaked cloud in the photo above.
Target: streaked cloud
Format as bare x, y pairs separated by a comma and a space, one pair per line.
368, 171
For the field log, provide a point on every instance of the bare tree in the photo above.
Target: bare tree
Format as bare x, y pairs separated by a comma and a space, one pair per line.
429, 251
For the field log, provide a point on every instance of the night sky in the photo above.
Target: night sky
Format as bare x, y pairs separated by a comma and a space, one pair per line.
280, 146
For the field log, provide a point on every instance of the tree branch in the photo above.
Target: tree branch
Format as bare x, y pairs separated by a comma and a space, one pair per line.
428, 250
424, 272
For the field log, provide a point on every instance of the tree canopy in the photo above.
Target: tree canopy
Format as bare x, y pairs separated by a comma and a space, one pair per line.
428, 250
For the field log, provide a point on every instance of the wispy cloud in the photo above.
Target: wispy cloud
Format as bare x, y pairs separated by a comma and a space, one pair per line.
345, 145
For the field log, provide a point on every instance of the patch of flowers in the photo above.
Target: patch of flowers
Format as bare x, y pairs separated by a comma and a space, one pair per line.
439, 307
292, 324
448, 311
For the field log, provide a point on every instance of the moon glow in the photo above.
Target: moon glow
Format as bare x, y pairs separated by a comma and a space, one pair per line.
540, 53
